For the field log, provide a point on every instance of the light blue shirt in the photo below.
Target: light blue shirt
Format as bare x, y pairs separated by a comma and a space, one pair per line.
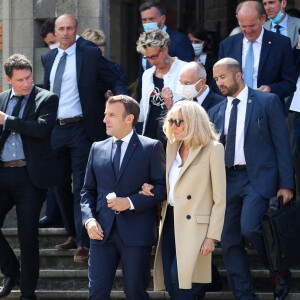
69, 105
283, 28
13, 147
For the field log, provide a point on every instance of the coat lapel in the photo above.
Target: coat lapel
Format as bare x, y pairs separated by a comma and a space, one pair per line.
171, 154
221, 121
3, 105
29, 102
249, 109
133, 144
79, 58
48, 67
206, 104
265, 49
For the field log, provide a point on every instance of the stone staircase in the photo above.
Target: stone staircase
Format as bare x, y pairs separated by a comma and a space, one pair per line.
61, 278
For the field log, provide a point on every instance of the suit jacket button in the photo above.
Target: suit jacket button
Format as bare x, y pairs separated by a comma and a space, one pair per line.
188, 217
189, 197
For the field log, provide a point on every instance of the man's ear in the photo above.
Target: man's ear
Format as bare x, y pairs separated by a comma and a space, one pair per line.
8, 79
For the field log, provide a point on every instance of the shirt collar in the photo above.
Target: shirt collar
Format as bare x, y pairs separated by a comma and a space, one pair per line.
259, 39
71, 50
125, 139
242, 96
14, 94
203, 95
164, 28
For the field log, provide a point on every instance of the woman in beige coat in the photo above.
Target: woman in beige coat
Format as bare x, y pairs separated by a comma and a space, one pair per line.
193, 215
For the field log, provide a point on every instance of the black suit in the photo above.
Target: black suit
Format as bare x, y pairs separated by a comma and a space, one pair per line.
25, 187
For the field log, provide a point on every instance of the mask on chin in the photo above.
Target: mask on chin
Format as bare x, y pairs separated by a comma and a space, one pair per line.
279, 16
150, 26
187, 91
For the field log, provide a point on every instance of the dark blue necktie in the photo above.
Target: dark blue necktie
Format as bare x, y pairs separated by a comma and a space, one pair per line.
59, 74
231, 135
117, 157
277, 28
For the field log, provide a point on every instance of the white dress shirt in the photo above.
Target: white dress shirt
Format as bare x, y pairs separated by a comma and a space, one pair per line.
239, 155
69, 102
256, 49
174, 175
202, 97
283, 28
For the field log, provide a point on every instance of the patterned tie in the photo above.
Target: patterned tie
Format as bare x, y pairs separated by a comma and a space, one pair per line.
230, 142
59, 74
5, 134
278, 28
249, 66
117, 156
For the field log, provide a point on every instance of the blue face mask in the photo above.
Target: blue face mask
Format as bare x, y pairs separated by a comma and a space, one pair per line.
278, 17
150, 26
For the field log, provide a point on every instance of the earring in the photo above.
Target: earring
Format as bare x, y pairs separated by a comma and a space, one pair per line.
167, 61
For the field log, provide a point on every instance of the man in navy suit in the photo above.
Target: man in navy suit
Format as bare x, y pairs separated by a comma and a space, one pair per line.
272, 68
73, 72
258, 163
155, 14
124, 226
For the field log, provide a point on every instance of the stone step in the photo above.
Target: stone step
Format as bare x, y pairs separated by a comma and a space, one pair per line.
77, 280
118, 295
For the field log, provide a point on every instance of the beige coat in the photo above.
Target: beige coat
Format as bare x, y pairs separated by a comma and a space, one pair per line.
199, 208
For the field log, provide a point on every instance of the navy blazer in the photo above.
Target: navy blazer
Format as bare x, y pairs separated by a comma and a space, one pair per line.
275, 64
144, 161
35, 128
91, 67
211, 100
266, 145
180, 47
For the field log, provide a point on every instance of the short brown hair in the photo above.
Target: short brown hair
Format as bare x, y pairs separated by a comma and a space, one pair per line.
132, 107
16, 62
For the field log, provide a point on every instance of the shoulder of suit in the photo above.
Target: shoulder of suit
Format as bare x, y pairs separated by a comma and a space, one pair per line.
176, 35
146, 141
276, 38
5, 93
294, 20
233, 38
42, 92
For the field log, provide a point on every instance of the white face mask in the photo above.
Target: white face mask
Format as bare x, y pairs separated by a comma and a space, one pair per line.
54, 46
187, 91
198, 48
150, 26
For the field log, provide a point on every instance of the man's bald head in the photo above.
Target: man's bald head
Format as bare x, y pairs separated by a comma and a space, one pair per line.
193, 70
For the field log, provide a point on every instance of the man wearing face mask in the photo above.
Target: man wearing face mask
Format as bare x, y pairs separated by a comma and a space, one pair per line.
153, 16
48, 34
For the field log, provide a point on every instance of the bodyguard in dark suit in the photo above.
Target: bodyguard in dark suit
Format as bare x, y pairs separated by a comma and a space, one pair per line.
258, 163
124, 226
153, 13
73, 72
268, 65
27, 168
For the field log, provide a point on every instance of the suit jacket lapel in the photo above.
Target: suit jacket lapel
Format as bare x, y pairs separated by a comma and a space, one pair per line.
79, 58
3, 105
265, 48
207, 101
221, 123
133, 144
248, 109
48, 67
238, 48
29, 102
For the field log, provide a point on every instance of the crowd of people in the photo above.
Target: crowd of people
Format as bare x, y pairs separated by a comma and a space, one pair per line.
198, 158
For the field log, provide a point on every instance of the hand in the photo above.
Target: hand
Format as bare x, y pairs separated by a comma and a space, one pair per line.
94, 230
167, 94
287, 195
108, 94
265, 88
146, 188
2, 116
118, 204
207, 246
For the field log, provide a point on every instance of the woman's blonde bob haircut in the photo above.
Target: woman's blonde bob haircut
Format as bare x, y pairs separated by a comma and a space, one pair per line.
153, 38
198, 130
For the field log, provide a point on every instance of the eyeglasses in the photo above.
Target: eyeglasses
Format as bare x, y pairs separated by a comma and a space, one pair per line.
152, 57
177, 122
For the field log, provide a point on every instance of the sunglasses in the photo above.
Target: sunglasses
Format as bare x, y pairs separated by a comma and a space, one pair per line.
177, 122
153, 57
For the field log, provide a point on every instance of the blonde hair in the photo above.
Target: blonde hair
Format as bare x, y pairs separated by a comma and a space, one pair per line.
96, 36
153, 38
198, 130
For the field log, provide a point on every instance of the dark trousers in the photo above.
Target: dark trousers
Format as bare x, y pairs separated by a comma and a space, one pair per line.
296, 148
52, 208
17, 189
72, 146
104, 260
170, 262
244, 211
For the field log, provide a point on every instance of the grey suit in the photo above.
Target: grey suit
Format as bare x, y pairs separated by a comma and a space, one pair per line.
293, 25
